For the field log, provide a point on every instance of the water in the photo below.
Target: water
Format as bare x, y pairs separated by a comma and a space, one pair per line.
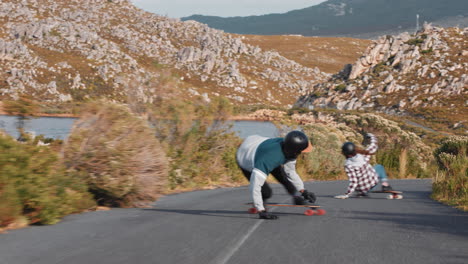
51, 127
59, 127
247, 128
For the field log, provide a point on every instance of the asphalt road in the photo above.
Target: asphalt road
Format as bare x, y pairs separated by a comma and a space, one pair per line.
213, 227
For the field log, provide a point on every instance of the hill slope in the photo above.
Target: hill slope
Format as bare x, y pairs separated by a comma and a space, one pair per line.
356, 18
327, 54
425, 74
70, 51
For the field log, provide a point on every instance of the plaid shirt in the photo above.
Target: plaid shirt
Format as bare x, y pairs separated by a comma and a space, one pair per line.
362, 176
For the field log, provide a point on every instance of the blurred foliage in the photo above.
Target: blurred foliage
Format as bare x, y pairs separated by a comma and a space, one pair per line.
450, 184
24, 107
117, 154
196, 138
34, 184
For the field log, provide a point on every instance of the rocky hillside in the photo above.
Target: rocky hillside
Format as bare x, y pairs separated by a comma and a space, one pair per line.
403, 74
67, 51
351, 18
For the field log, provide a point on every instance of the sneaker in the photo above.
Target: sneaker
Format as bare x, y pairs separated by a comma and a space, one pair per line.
386, 188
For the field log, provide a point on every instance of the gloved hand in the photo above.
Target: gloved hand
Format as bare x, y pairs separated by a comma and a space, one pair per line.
310, 196
266, 215
342, 196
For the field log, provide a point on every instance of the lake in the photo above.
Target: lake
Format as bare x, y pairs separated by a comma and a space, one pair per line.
59, 127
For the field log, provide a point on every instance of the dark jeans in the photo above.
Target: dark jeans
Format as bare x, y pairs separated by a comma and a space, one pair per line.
280, 176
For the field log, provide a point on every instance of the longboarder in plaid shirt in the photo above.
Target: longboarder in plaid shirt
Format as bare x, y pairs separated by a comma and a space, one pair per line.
362, 176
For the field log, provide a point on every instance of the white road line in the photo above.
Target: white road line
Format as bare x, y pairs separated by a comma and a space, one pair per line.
239, 243
224, 259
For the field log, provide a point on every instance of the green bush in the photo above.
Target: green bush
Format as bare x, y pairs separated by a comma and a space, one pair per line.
117, 154
426, 51
450, 184
33, 184
340, 88
415, 41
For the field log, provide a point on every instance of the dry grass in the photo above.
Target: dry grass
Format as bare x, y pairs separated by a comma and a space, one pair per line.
328, 54
116, 153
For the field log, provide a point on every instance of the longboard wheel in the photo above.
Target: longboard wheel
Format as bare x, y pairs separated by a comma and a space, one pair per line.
390, 196
309, 212
399, 196
321, 212
253, 210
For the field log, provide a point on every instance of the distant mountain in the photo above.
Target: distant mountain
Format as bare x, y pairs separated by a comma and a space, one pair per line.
356, 18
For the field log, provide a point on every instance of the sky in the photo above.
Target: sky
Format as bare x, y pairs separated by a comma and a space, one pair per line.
223, 8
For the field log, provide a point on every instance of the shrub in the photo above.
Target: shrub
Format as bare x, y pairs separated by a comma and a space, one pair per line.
195, 137
117, 155
340, 88
380, 67
325, 161
415, 41
426, 51
451, 181
33, 184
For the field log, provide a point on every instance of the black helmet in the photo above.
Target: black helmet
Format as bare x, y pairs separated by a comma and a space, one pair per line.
348, 149
295, 142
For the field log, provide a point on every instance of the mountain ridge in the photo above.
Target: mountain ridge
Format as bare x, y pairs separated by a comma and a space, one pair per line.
351, 18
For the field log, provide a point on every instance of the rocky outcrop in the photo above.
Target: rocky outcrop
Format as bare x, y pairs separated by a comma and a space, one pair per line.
400, 72
96, 48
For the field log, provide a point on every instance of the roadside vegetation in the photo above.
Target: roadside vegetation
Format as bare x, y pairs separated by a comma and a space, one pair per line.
197, 141
116, 154
401, 152
34, 185
451, 180
128, 155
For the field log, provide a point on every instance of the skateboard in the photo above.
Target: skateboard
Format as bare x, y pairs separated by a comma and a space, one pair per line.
391, 194
311, 209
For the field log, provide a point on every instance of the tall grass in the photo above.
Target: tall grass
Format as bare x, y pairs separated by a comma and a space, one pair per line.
197, 141
450, 183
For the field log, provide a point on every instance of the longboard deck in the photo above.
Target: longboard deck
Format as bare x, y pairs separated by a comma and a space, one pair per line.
310, 209
289, 205
395, 192
391, 194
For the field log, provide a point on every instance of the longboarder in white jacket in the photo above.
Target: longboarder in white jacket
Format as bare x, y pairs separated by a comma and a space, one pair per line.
362, 176
259, 156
